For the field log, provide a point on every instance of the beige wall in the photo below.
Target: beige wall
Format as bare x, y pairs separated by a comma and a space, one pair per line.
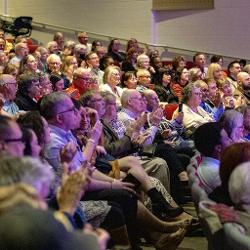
224, 30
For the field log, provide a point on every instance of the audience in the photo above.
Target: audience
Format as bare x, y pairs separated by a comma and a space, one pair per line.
116, 127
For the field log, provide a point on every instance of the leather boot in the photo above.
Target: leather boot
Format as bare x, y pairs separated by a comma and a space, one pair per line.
120, 238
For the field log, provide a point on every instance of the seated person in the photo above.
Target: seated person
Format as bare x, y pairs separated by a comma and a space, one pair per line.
210, 139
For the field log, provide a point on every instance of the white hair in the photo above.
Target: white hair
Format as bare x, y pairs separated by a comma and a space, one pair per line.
238, 185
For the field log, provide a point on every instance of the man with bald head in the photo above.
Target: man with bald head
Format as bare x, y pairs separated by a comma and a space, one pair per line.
21, 50
8, 88
243, 88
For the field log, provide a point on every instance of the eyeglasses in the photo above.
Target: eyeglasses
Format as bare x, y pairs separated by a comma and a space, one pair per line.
74, 109
14, 140
96, 100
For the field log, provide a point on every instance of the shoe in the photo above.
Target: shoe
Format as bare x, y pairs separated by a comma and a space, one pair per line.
164, 211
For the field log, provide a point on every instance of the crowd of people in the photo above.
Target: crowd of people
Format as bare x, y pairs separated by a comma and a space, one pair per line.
88, 154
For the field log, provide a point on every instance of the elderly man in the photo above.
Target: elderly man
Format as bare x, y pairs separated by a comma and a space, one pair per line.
8, 88
11, 138
133, 106
59, 39
21, 50
93, 63
52, 47
83, 39
42, 63
82, 79
242, 92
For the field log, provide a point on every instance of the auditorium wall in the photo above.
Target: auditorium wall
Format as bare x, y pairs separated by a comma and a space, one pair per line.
223, 30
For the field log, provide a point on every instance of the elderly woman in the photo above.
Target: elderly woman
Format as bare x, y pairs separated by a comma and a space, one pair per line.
232, 122
143, 62
28, 90
194, 115
239, 191
112, 78
195, 74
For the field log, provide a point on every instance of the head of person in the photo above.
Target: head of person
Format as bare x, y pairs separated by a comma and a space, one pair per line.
217, 59
33, 120
92, 60
132, 100
59, 38
143, 62
28, 64
94, 100
181, 76
214, 71
101, 51
132, 54
114, 45
242, 63
166, 77
143, 77
234, 68
85, 123
2, 44
11, 69
11, 138
238, 187
80, 51
59, 110
21, 50
82, 79
231, 157
225, 87
96, 44
132, 43
54, 63
195, 74
152, 100
110, 106
204, 89
28, 85
69, 64
129, 80
44, 53
246, 68
83, 37
3, 58
68, 49
243, 81
156, 62
31, 146
245, 110
199, 60
106, 61
212, 87
178, 62
112, 76
8, 87
57, 82
211, 139
45, 84
192, 95
52, 47
232, 122
26, 170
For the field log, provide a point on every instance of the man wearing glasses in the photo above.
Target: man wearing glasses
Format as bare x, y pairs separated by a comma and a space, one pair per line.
11, 138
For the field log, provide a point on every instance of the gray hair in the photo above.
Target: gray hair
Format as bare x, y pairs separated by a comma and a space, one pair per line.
126, 96
238, 185
49, 104
229, 120
187, 90
140, 58
27, 170
53, 56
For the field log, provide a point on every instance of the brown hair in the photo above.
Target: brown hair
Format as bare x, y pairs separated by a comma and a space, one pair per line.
231, 157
